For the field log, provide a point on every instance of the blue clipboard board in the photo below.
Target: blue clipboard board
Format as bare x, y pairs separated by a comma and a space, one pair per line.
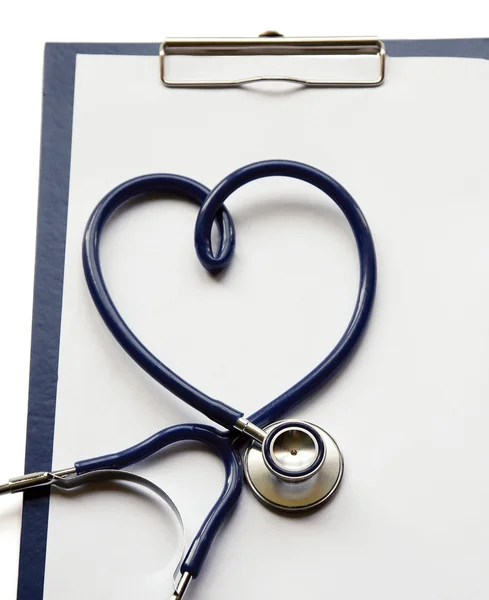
59, 81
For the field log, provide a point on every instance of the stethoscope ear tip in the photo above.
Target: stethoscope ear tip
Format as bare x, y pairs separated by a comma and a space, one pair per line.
181, 586
298, 467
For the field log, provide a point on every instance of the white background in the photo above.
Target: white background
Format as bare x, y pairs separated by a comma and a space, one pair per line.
23, 30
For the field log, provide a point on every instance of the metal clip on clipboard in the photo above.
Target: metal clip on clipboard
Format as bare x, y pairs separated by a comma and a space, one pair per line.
272, 43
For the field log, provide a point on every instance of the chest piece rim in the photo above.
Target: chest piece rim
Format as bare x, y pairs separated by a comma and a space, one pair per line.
280, 492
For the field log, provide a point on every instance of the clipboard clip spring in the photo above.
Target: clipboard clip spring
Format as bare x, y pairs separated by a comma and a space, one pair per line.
272, 43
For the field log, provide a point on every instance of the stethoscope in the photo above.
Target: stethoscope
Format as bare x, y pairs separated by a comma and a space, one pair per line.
290, 465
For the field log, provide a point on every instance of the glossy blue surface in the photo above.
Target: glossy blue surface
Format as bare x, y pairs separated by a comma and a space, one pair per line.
164, 184
275, 409
233, 484
212, 210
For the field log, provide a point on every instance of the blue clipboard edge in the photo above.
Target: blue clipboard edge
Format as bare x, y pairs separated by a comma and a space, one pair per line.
57, 120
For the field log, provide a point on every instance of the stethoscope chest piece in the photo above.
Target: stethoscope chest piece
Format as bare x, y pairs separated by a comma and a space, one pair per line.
298, 467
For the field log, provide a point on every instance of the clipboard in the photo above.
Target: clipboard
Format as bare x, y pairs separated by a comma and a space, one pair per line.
57, 162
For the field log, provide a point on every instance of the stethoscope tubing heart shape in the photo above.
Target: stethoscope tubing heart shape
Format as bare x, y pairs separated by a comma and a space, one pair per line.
212, 210
287, 461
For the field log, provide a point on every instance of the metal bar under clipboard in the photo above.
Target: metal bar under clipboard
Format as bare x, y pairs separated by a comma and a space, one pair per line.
272, 43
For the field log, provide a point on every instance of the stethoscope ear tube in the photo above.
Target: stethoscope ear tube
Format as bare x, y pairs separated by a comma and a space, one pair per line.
95, 477
211, 437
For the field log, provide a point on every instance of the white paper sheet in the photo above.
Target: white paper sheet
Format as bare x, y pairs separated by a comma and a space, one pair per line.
411, 410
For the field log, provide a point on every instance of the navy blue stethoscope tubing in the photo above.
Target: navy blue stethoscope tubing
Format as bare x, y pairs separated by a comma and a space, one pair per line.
168, 184
366, 251
212, 209
211, 437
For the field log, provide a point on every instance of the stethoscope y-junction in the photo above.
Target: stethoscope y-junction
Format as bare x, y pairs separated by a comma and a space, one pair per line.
290, 465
